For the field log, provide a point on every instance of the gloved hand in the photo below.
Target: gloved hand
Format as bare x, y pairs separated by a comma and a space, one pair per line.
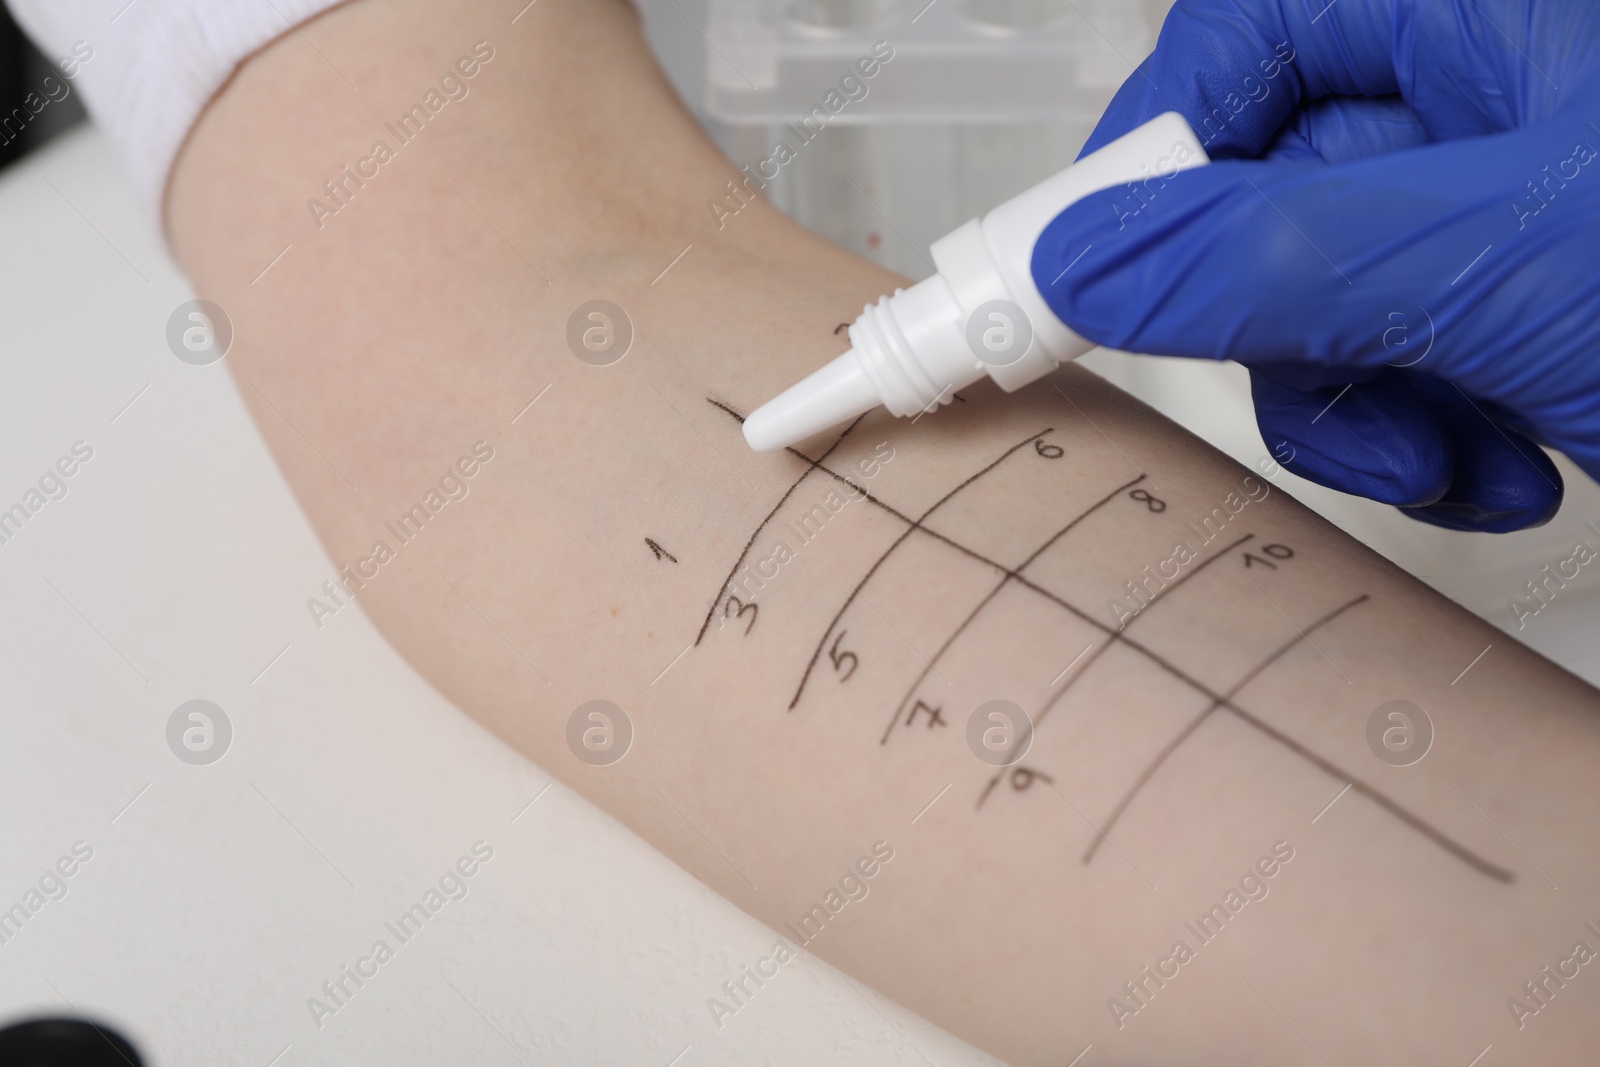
1400, 238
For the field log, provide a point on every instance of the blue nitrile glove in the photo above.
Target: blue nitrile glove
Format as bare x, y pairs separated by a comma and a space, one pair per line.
1423, 222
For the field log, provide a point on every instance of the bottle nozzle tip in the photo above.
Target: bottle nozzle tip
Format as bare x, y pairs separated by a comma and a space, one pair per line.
838, 392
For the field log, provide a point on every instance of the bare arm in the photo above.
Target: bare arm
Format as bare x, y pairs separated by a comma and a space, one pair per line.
800, 640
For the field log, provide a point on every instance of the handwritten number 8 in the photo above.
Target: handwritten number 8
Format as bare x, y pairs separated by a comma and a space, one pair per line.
1143, 496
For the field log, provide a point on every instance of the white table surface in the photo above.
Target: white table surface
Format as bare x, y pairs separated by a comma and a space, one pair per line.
220, 897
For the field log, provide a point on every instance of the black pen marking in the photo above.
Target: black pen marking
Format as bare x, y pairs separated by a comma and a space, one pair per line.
1001, 584
814, 464
909, 530
1217, 701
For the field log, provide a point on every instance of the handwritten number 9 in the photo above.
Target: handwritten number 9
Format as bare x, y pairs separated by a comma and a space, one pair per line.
1276, 551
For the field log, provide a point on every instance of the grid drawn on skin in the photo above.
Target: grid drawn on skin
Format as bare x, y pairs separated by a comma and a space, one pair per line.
1218, 701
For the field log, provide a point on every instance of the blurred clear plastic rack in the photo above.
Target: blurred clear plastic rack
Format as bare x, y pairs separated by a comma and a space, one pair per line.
955, 61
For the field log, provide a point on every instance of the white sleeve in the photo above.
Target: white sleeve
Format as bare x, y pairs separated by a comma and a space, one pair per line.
148, 67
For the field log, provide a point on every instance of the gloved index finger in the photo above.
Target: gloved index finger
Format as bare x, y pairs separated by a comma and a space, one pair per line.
1236, 68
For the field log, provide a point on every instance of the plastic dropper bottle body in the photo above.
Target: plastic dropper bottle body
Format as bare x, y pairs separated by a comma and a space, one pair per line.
981, 313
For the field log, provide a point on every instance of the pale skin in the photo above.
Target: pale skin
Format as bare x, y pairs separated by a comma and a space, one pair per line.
422, 318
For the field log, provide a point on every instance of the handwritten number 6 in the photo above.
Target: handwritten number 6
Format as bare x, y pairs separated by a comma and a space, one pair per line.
838, 658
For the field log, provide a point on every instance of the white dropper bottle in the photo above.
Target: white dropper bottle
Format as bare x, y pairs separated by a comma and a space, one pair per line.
982, 312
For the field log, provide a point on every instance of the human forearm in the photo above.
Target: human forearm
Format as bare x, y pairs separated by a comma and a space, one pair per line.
774, 746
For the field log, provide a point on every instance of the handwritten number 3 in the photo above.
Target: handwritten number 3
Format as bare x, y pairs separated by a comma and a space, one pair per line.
743, 607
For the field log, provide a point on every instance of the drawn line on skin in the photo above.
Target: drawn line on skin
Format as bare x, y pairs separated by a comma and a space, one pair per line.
904, 638
1118, 636
917, 525
784, 499
1184, 734
703, 437
1056, 697
995, 591
1502, 833
1331, 803
1103, 837
1073, 664
1297, 630
1102, 434
1473, 664
1438, 837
